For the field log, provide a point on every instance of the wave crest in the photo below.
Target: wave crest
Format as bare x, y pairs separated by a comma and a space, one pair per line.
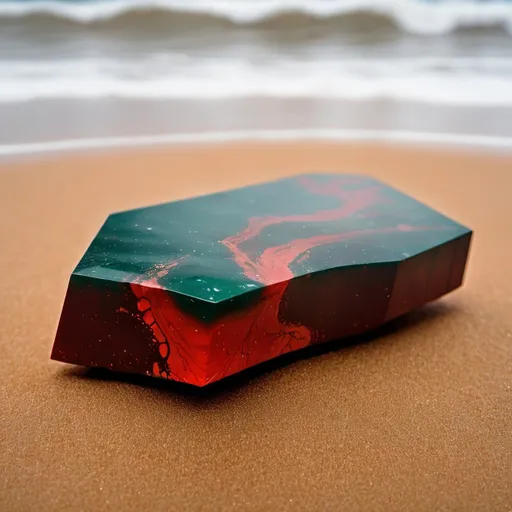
417, 17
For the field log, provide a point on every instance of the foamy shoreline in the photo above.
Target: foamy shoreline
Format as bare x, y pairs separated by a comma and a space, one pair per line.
391, 137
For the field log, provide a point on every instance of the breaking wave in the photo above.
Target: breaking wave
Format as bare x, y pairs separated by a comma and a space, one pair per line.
413, 16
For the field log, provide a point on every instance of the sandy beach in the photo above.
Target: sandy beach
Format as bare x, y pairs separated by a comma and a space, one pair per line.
108, 105
417, 419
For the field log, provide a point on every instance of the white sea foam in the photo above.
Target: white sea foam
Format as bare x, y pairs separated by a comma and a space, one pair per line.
450, 81
415, 16
409, 137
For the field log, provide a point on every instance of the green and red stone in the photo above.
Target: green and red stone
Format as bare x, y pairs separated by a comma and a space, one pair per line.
200, 289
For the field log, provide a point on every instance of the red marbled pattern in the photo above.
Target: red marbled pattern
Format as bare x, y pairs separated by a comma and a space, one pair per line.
200, 353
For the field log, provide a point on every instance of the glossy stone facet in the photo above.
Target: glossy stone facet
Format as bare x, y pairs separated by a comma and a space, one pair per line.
200, 289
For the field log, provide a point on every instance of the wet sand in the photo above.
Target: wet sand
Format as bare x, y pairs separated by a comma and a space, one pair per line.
418, 418
55, 120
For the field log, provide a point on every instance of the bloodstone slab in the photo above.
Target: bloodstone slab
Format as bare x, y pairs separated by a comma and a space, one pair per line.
200, 289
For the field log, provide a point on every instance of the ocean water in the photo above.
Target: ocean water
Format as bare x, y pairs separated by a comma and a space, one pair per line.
456, 53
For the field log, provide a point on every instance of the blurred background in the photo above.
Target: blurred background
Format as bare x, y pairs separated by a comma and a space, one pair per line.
87, 70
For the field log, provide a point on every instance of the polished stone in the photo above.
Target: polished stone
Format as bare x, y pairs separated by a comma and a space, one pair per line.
199, 289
